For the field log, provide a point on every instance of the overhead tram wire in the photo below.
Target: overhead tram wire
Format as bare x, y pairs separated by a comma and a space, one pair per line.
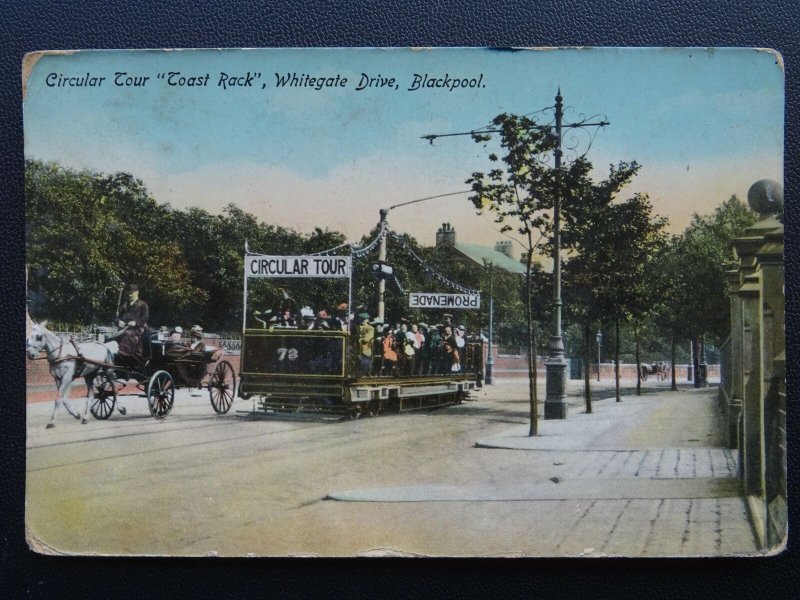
430, 270
429, 198
359, 251
431, 137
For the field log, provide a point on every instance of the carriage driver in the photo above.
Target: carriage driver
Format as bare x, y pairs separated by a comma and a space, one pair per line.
133, 318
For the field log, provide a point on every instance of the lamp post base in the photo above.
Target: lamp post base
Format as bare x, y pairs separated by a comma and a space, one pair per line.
555, 404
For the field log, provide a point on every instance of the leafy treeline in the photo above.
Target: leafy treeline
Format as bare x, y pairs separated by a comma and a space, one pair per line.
89, 234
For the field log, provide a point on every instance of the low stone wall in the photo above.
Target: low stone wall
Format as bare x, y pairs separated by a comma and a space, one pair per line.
505, 366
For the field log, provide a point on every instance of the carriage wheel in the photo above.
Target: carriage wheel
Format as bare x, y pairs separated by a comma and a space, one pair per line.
105, 396
160, 394
221, 387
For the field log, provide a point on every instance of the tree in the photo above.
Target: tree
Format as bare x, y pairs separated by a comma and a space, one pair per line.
68, 245
87, 235
699, 306
610, 244
518, 193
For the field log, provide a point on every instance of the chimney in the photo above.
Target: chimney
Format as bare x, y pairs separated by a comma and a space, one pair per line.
446, 235
504, 247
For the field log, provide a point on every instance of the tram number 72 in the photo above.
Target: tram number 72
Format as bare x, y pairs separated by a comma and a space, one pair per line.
287, 353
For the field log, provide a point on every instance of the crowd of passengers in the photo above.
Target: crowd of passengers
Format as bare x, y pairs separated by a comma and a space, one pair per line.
408, 348
395, 348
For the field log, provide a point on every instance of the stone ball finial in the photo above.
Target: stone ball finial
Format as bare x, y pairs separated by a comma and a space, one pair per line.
765, 197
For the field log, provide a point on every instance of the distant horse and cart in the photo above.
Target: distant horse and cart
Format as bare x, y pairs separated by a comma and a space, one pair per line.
659, 369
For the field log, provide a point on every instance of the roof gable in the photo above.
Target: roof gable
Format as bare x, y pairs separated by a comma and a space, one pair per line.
480, 255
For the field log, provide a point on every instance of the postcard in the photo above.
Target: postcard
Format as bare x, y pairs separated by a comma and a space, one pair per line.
412, 302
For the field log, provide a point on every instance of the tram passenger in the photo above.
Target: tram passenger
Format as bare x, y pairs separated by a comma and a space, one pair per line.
341, 317
366, 337
377, 347
133, 318
389, 366
453, 357
461, 336
307, 316
405, 349
417, 340
448, 336
423, 354
435, 350
461, 342
286, 310
287, 319
323, 320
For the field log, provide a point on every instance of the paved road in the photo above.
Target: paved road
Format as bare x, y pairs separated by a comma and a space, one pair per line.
646, 477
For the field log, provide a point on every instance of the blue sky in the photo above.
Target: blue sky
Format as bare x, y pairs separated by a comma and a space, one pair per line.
704, 124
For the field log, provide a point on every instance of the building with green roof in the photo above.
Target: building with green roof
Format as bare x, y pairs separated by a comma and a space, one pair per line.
500, 256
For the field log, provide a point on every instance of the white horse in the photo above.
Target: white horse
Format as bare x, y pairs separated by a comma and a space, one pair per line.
69, 360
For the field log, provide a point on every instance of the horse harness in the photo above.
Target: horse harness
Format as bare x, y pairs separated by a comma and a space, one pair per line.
79, 359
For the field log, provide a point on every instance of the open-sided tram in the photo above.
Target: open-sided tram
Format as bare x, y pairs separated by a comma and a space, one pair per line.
291, 370
294, 368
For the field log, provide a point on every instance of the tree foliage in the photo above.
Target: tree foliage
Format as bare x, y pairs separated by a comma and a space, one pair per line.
696, 261
89, 234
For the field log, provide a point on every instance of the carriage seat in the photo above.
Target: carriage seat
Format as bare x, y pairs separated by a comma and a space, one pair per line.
212, 353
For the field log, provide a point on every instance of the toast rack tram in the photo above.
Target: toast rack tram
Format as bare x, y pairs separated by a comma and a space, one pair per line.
291, 369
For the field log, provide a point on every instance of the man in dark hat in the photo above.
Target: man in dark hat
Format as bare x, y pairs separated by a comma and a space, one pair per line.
133, 319
135, 311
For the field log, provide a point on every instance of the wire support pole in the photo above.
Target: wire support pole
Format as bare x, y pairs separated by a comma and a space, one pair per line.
382, 259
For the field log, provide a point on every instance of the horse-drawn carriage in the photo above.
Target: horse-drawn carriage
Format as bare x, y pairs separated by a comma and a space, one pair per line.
160, 369
157, 370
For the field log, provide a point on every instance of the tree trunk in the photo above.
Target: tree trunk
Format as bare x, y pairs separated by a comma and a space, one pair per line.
535, 372
534, 429
638, 360
587, 361
674, 386
695, 361
616, 357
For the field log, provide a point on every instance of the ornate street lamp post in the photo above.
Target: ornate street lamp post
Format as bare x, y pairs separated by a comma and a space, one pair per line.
555, 405
490, 356
599, 338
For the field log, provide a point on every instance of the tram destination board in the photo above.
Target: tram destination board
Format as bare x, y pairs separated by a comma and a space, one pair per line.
299, 354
